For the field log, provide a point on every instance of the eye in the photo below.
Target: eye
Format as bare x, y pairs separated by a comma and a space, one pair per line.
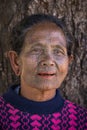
36, 50
58, 52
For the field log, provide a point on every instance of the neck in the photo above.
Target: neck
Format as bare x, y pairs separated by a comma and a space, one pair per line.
36, 94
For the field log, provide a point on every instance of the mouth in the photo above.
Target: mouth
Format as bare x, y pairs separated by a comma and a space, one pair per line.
46, 75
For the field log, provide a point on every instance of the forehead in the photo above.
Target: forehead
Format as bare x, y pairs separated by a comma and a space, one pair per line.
45, 32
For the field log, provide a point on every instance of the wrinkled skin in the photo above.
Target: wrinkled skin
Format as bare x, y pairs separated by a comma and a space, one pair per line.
43, 62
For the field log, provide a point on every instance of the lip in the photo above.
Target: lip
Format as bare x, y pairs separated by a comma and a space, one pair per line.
46, 75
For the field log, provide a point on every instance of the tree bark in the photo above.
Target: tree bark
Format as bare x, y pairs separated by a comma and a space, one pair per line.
74, 12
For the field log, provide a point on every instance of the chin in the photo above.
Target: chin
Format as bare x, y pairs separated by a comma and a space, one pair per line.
46, 87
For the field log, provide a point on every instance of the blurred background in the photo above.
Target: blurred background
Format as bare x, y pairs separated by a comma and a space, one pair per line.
74, 13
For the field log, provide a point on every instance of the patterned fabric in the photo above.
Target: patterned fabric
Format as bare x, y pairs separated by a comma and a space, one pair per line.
70, 117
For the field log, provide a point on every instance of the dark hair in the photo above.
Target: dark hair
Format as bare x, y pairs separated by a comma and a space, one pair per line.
18, 32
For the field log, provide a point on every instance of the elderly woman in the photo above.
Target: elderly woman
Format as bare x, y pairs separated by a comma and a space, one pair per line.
40, 55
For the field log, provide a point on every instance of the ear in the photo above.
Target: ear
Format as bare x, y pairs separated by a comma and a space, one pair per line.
71, 58
13, 57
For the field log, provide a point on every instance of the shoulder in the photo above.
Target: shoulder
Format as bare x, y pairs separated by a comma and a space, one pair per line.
75, 109
5, 106
72, 105
2, 104
75, 115
1, 101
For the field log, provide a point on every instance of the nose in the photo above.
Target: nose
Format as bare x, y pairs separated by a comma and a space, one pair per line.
48, 61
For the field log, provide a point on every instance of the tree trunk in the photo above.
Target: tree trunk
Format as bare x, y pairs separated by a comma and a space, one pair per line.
74, 12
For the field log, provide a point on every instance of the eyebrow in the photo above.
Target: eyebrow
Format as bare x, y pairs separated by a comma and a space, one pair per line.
58, 46
53, 46
37, 45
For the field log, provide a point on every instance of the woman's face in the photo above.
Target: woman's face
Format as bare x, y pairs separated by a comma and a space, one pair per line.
44, 61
